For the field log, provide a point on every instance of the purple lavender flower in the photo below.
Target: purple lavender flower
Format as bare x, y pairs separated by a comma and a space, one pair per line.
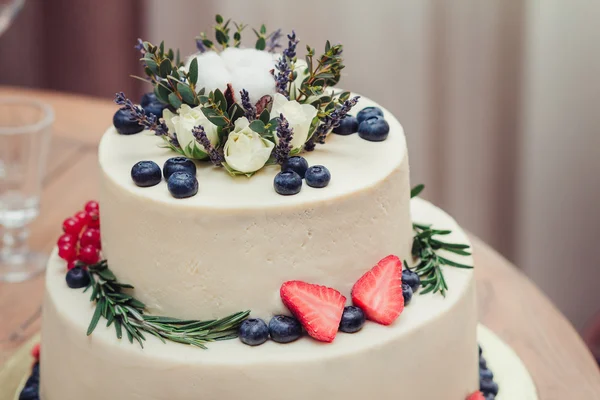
149, 122
200, 46
285, 135
283, 66
140, 46
329, 122
200, 135
273, 41
249, 109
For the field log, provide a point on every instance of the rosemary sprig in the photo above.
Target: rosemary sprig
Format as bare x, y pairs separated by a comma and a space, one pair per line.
127, 313
424, 249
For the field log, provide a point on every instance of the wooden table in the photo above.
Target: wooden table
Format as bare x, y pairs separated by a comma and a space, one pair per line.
508, 302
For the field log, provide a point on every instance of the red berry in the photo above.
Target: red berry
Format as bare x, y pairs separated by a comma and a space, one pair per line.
83, 217
67, 239
72, 226
71, 264
476, 396
379, 291
318, 308
67, 252
94, 219
89, 255
35, 352
91, 237
92, 205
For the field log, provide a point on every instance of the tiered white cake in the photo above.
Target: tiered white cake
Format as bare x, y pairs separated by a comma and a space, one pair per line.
229, 249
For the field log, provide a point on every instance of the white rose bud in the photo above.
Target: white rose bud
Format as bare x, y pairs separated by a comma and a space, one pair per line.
298, 115
245, 150
183, 123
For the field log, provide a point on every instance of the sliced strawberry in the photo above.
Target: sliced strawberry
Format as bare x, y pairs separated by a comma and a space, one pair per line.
318, 308
379, 291
476, 396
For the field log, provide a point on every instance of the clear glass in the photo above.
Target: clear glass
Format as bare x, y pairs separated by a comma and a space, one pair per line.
25, 128
8, 11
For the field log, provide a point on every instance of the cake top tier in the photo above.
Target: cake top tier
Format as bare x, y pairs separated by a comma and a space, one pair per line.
355, 164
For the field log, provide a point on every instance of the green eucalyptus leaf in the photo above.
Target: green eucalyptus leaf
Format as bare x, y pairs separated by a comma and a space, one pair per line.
263, 29
170, 55
174, 100
162, 93
165, 68
162, 47
193, 72
222, 38
219, 98
207, 43
202, 98
237, 36
264, 116
187, 94
258, 126
235, 111
219, 19
214, 117
151, 64
344, 96
261, 43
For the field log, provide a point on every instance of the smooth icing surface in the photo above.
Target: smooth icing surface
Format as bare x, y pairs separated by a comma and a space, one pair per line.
230, 247
430, 352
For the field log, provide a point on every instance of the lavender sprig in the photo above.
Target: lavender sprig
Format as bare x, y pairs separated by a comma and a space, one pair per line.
200, 46
249, 109
200, 135
273, 41
149, 122
140, 46
330, 121
283, 66
285, 135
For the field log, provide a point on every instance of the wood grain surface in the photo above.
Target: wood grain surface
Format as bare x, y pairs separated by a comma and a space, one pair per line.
509, 304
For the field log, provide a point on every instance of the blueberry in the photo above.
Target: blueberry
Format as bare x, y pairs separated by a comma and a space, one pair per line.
182, 185
482, 363
412, 279
353, 319
33, 380
348, 125
485, 373
148, 98
155, 108
374, 129
30, 393
254, 331
297, 164
284, 329
77, 278
178, 164
488, 386
490, 396
146, 173
317, 176
368, 112
407, 293
35, 371
287, 183
124, 124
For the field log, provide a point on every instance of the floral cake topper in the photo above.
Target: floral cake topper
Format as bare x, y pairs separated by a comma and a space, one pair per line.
242, 108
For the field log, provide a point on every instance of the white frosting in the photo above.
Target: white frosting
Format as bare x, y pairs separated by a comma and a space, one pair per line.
230, 247
430, 352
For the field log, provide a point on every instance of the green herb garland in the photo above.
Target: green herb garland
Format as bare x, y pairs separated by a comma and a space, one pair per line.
424, 249
127, 313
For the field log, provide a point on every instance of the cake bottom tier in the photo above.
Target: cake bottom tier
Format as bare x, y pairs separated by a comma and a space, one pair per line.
430, 352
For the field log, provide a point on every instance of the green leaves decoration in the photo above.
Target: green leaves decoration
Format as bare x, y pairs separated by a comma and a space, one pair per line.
193, 72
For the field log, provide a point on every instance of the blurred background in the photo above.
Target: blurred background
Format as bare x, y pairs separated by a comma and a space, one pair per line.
499, 100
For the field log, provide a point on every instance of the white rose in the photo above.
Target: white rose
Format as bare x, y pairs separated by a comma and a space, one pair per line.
298, 115
245, 150
301, 69
183, 123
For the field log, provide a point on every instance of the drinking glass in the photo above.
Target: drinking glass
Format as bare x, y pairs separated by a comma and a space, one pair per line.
8, 11
24, 140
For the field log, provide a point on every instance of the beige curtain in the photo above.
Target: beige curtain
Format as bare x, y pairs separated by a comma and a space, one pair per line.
499, 100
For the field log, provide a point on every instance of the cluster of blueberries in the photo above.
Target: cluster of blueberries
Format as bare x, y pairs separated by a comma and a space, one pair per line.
293, 170
369, 123
284, 329
487, 386
31, 391
179, 172
126, 125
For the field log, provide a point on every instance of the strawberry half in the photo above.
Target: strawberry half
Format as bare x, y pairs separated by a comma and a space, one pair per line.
379, 291
318, 308
476, 396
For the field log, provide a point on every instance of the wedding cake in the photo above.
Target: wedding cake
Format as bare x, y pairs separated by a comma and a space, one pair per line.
256, 237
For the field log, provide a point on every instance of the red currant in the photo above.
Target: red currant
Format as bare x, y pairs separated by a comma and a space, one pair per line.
83, 217
35, 352
94, 219
71, 264
67, 252
91, 237
72, 226
92, 205
67, 239
89, 255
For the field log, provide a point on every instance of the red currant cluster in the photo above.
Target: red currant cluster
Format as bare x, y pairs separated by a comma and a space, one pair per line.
80, 241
